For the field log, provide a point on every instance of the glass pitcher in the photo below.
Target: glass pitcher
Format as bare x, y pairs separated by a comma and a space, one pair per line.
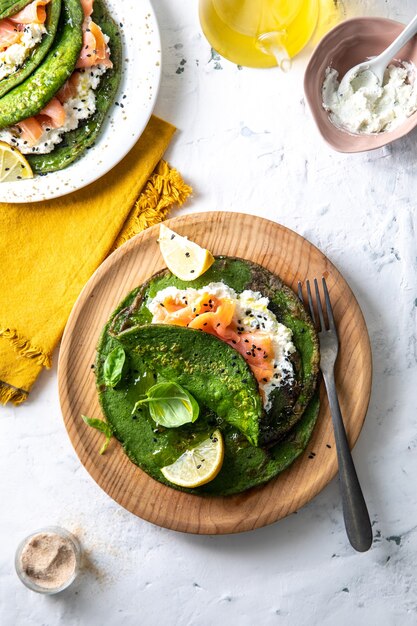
259, 33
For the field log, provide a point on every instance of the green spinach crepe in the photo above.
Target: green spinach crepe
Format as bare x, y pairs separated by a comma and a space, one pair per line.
259, 444
41, 81
31, 96
37, 55
77, 141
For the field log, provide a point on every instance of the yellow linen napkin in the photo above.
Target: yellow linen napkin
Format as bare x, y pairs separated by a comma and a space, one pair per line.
49, 250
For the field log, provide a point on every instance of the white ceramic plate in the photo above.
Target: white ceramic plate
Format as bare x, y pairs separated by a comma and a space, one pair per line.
141, 70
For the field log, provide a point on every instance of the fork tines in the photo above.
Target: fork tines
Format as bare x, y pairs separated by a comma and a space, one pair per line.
329, 311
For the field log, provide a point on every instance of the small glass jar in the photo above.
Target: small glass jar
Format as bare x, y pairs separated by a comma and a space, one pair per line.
28, 581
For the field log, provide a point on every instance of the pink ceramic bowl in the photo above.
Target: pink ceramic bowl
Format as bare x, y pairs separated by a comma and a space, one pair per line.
348, 44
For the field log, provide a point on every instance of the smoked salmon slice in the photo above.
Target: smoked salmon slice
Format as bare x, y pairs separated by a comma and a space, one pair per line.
51, 116
55, 114
33, 13
87, 6
94, 50
215, 316
9, 34
31, 130
69, 89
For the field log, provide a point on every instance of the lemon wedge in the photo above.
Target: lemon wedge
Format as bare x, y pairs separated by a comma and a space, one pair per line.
186, 259
199, 465
13, 165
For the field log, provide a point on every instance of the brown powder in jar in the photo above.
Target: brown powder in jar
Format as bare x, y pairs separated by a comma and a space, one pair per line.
48, 560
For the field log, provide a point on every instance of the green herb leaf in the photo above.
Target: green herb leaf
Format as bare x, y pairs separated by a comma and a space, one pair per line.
170, 405
113, 366
103, 427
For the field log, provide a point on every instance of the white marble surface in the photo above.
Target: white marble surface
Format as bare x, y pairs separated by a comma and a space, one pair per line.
247, 143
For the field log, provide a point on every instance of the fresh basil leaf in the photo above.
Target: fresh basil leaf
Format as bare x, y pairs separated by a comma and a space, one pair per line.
170, 405
103, 427
113, 366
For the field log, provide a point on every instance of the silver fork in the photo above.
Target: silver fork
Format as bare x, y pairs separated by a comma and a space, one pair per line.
355, 513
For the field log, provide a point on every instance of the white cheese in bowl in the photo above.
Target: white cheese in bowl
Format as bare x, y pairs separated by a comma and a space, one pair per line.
367, 107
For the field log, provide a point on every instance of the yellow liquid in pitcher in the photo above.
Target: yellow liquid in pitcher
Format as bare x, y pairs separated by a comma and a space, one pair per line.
234, 28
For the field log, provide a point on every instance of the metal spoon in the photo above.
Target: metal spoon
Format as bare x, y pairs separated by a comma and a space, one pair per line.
379, 64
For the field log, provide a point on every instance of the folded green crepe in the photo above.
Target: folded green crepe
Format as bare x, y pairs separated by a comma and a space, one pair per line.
32, 94
53, 11
258, 444
77, 141
30, 97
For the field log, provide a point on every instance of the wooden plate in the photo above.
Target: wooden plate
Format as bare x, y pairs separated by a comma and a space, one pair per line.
283, 252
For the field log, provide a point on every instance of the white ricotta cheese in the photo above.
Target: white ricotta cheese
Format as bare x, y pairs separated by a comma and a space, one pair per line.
252, 315
14, 56
80, 107
367, 107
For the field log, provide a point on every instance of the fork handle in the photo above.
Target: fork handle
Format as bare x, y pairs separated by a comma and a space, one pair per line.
356, 516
